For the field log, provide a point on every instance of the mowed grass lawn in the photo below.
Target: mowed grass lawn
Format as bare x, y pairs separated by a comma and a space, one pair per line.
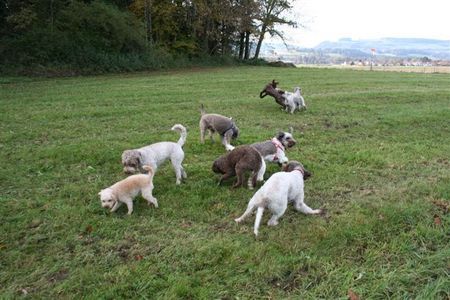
378, 145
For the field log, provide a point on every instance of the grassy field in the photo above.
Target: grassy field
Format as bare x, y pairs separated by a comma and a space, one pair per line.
377, 143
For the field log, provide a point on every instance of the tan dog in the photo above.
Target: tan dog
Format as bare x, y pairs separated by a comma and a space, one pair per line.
126, 190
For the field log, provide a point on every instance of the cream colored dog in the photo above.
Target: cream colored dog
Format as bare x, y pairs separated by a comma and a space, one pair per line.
126, 190
279, 189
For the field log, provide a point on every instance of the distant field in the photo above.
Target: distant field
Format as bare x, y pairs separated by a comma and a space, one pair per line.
377, 143
437, 69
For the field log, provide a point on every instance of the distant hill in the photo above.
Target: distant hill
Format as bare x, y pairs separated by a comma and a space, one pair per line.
398, 47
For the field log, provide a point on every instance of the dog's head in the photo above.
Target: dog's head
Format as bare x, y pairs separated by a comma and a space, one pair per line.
131, 161
107, 198
295, 165
286, 139
235, 132
217, 166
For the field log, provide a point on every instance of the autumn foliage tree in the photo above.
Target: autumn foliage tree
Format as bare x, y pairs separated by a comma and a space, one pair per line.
133, 34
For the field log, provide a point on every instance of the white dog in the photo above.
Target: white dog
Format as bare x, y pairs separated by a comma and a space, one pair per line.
279, 189
126, 190
156, 154
294, 100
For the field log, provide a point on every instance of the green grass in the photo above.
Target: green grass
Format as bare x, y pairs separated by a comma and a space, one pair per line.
377, 143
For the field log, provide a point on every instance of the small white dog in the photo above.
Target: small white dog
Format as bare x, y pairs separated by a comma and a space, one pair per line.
156, 154
279, 189
126, 190
294, 100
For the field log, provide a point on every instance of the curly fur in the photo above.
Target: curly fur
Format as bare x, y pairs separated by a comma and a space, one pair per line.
126, 190
224, 126
156, 154
237, 162
279, 189
270, 152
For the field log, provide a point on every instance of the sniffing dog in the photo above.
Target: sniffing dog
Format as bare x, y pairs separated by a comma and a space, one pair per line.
272, 90
224, 126
156, 154
294, 100
274, 150
126, 190
279, 189
237, 162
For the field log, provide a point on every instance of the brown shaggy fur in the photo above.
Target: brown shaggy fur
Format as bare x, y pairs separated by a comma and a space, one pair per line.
271, 90
236, 162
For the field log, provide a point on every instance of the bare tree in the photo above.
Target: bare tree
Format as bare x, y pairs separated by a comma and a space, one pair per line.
271, 14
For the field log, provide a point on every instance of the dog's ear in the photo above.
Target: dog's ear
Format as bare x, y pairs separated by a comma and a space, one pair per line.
306, 174
99, 193
280, 135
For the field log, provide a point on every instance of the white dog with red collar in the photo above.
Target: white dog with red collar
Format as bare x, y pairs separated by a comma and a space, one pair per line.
279, 189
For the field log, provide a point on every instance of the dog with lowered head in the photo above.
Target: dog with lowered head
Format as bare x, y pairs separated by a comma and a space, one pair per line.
277, 191
237, 162
224, 126
156, 154
274, 150
126, 190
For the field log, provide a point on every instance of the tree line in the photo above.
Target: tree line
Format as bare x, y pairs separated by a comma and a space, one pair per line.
112, 35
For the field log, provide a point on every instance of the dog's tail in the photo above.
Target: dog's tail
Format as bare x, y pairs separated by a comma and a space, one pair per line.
262, 170
148, 169
202, 109
183, 133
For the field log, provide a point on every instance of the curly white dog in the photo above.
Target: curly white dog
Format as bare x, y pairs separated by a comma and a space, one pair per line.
293, 101
279, 189
156, 154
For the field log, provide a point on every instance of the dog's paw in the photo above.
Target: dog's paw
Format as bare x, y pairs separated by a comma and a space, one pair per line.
238, 220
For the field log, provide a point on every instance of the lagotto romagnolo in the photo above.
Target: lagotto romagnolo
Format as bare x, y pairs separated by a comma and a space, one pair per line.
127, 189
224, 126
240, 160
274, 150
156, 154
277, 191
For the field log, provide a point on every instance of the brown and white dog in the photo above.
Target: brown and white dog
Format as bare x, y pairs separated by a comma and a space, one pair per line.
224, 126
274, 150
277, 191
237, 162
126, 190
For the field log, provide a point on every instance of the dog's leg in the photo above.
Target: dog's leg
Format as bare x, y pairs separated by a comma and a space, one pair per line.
226, 140
178, 171
211, 137
202, 132
258, 218
116, 206
299, 205
239, 175
225, 177
147, 195
183, 173
277, 211
129, 203
262, 170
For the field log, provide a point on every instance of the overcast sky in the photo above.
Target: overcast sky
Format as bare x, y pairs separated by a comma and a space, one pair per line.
361, 19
